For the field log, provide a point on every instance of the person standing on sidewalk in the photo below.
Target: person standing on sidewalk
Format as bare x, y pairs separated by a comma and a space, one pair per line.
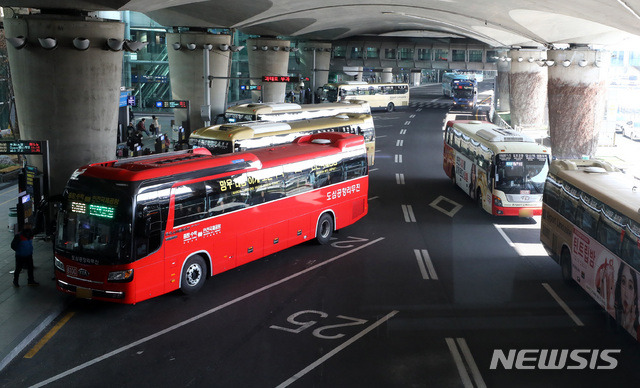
23, 245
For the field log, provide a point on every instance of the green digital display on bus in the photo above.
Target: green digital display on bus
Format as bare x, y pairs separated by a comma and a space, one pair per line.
93, 210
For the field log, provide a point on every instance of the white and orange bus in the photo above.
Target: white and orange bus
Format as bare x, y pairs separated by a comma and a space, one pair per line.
502, 170
137, 228
283, 111
591, 227
383, 95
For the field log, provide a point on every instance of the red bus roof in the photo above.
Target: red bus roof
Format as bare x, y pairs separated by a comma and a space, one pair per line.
172, 163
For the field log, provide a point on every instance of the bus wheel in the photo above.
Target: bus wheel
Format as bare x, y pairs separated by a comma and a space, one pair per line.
565, 265
390, 107
193, 275
324, 230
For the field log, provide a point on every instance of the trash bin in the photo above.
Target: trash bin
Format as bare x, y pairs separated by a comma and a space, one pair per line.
13, 219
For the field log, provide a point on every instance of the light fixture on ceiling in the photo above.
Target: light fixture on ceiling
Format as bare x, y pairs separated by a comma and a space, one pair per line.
81, 43
520, 59
550, 62
191, 46
114, 44
133, 46
582, 63
223, 47
48, 43
286, 48
207, 46
235, 49
530, 60
176, 46
275, 48
508, 59
264, 48
18, 42
295, 49
566, 63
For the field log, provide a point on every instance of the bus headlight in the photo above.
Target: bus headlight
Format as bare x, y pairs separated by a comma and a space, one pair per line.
59, 265
121, 276
497, 201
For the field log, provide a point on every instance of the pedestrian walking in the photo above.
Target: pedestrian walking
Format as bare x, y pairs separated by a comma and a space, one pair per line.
22, 243
155, 126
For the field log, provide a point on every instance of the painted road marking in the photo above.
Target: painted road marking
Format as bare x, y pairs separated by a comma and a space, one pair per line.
446, 206
200, 316
407, 122
49, 335
419, 110
399, 143
523, 249
408, 213
373, 169
336, 350
403, 131
400, 179
563, 305
460, 364
372, 198
425, 264
412, 116
398, 158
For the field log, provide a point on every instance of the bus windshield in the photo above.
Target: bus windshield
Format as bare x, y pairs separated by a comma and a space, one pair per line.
463, 93
331, 93
521, 173
95, 222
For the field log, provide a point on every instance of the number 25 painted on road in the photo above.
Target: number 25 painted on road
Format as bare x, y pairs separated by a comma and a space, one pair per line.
304, 325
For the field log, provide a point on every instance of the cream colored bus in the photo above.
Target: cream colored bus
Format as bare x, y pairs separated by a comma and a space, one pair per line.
227, 138
591, 227
287, 111
502, 170
386, 96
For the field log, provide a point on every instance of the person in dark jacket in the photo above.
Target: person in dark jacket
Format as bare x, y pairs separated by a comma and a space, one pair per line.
23, 245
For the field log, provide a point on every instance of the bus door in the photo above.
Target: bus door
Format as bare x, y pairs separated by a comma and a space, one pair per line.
149, 224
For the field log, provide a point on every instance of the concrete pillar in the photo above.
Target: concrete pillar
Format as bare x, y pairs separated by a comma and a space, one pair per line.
527, 90
66, 95
502, 86
186, 70
387, 75
415, 79
320, 54
577, 90
267, 56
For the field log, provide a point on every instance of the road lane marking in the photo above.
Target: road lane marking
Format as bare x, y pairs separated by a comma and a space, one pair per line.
523, 249
403, 131
372, 198
408, 213
407, 123
373, 169
562, 304
49, 335
419, 110
460, 364
199, 316
399, 143
398, 158
336, 350
412, 116
400, 179
505, 237
425, 264
381, 136
455, 207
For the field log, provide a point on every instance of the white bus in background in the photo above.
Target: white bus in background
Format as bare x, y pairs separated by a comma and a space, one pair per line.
386, 96
282, 111
502, 170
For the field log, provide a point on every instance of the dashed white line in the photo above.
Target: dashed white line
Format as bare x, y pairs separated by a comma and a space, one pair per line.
425, 264
562, 304
407, 210
407, 122
398, 158
400, 179
403, 131
412, 116
399, 143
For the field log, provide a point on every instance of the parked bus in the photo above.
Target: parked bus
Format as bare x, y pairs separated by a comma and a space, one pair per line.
464, 94
288, 112
591, 227
137, 228
226, 138
448, 80
502, 170
386, 96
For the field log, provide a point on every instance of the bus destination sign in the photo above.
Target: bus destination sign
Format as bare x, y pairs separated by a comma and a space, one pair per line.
279, 78
172, 104
30, 147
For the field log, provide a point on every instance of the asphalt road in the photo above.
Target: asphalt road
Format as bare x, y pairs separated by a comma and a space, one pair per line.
423, 292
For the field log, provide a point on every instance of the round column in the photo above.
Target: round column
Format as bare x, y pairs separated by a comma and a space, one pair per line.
387, 75
415, 79
268, 56
186, 69
577, 90
320, 54
65, 93
527, 90
502, 86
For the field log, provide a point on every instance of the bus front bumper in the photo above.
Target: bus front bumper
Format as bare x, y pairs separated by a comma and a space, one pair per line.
89, 293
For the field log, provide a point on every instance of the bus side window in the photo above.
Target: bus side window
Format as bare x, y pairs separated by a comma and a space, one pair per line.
586, 221
189, 203
608, 236
355, 168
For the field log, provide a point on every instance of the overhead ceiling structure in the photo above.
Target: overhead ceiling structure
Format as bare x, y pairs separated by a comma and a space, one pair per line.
499, 23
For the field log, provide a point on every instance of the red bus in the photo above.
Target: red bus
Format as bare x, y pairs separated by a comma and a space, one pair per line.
136, 228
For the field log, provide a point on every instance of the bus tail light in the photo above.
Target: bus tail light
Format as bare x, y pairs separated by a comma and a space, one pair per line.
121, 276
59, 265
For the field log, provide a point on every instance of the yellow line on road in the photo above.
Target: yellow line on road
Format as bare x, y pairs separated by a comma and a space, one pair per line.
48, 336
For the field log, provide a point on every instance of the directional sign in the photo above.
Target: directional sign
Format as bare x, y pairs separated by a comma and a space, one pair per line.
29, 147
